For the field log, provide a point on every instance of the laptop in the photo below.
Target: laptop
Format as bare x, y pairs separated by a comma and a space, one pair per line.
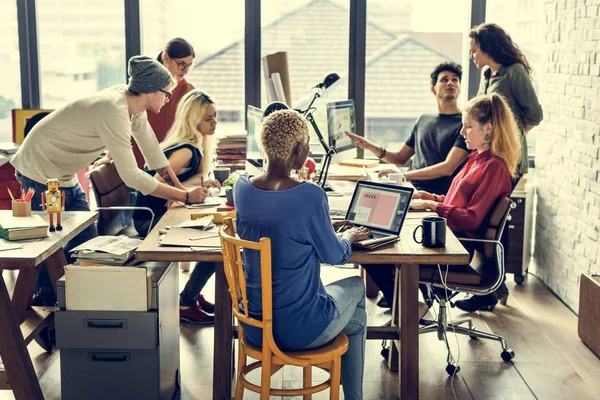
380, 207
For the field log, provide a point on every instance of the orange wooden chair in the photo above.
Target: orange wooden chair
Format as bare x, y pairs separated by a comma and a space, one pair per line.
270, 358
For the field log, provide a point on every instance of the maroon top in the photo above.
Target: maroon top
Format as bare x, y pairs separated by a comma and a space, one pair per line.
473, 192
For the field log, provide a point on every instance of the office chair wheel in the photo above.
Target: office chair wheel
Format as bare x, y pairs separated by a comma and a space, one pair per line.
452, 369
507, 354
385, 352
519, 279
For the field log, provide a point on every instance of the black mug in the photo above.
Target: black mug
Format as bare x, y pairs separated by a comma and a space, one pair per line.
221, 173
434, 232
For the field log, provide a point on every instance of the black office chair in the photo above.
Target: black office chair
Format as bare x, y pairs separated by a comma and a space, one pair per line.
112, 198
482, 276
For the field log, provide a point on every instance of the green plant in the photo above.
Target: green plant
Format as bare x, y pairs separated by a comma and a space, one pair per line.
231, 180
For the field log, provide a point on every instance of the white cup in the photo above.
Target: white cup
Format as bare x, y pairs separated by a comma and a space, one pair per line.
397, 177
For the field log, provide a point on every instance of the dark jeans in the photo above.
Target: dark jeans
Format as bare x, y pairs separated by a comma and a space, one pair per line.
200, 275
74, 201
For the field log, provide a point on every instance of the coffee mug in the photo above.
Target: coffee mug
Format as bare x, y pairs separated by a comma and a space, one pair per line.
397, 177
434, 232
222, 173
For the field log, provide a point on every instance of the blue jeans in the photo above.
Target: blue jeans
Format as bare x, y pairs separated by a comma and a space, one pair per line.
348, 295
74, 201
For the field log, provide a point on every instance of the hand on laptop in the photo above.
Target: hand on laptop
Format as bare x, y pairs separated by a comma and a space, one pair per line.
341, 225
356, 234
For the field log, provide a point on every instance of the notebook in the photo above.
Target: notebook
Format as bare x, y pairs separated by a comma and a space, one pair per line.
382, 208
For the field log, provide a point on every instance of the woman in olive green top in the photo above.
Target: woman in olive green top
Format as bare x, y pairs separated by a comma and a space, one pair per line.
505, 70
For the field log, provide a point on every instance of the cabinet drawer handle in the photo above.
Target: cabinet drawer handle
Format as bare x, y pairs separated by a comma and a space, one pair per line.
108, 357
105, 324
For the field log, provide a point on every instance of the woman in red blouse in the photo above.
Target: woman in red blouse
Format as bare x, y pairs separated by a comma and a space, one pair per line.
490, 131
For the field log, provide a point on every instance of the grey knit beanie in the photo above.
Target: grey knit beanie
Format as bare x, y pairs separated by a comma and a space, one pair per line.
147, 75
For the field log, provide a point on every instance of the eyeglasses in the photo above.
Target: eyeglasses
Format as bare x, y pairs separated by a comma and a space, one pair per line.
471, 52
182, 65
167, 94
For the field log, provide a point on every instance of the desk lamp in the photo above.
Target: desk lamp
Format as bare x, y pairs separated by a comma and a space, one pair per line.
329, 80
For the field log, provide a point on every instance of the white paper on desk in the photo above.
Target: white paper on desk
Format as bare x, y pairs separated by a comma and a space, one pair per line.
190, 237
208, 202
5, 246
198, 223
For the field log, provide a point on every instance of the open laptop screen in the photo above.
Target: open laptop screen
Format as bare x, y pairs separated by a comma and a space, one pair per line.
379, 206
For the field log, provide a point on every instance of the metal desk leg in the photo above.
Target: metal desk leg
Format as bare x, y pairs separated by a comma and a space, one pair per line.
223, 351
409, 332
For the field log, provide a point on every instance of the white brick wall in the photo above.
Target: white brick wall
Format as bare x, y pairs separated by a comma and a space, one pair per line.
568, 147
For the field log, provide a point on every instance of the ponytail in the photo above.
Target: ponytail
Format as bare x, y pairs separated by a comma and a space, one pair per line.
505, 141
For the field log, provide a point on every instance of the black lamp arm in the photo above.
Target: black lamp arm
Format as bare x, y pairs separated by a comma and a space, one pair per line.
329, 151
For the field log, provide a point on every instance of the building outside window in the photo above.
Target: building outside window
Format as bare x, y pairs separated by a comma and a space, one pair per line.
10, 95
81, 48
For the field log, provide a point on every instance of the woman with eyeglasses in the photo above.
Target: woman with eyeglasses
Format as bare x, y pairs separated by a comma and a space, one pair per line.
188, 149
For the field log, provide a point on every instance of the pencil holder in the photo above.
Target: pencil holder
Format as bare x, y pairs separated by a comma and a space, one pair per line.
21, 208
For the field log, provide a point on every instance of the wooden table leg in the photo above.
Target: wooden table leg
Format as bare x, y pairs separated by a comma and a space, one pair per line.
409, 333
223, 345
24, 291
55, 265
393, 359
371, 288
19, 369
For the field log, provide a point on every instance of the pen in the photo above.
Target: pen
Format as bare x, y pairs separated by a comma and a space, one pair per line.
340, 228
10, 193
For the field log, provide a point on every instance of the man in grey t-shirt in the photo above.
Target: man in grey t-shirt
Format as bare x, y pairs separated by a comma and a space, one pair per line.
435, 149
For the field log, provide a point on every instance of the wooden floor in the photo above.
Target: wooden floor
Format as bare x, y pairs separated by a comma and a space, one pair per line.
551, 362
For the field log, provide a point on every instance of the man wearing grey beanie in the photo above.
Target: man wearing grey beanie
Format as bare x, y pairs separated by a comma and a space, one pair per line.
71, 137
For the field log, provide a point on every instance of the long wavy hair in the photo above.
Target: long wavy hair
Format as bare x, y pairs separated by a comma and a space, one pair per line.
189, 114
494, 41
505, 138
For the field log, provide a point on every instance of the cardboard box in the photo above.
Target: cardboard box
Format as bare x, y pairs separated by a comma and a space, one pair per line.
106, 288
589, 312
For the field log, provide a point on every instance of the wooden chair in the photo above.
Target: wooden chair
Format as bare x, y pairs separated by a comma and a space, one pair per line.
270, 358
112, 197
482, 276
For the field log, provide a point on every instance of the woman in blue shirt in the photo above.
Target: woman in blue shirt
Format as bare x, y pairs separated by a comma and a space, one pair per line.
295, 215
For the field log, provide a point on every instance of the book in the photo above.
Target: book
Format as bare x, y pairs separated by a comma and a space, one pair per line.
106, 250
20, 228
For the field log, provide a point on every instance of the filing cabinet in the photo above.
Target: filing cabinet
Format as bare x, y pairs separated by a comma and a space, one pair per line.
519, 234
122, 354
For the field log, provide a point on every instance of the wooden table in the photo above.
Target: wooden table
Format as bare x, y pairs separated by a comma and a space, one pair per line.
18, 323
406, 255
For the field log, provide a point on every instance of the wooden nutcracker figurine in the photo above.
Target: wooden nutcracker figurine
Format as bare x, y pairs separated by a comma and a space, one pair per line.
53, 202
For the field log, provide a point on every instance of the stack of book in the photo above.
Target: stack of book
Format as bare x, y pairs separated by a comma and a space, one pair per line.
20, 228
231, 151
106, 250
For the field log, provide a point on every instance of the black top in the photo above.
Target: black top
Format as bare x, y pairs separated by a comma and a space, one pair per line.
432, 138
158, 205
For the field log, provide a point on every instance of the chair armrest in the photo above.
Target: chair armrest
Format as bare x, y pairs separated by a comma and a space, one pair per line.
130, 208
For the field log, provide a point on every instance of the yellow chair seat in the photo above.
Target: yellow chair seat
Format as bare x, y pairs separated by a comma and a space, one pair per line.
323, 354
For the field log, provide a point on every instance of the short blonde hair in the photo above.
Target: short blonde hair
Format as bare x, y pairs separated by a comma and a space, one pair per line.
281, 132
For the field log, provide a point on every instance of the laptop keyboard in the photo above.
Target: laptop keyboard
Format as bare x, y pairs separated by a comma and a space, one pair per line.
375, 235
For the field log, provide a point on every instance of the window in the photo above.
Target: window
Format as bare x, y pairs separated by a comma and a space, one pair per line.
524, 21
216, 32
10, 96
315, 36
81, 46
406, 39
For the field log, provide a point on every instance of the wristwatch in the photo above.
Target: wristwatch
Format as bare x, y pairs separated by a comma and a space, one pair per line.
383, 153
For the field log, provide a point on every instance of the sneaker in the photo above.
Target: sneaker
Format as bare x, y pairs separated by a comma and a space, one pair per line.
205, 305
383, 303
194, 315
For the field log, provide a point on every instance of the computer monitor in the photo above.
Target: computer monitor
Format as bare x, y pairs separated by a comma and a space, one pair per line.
341, 117
254, 154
